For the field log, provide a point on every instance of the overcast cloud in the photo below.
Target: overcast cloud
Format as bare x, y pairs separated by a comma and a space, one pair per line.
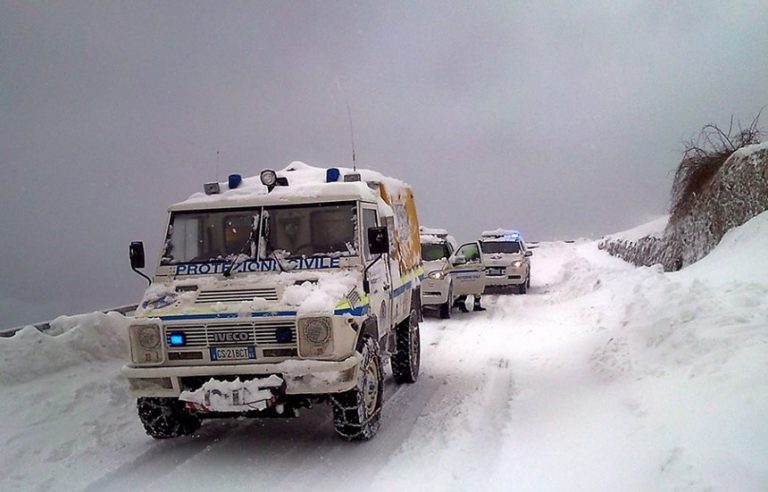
561, 119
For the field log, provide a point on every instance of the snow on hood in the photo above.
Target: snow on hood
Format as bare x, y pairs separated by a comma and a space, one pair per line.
303, 291
322, 296
434, 265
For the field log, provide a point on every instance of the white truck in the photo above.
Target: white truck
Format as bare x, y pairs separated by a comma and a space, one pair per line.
275, 292
451, 273
506, 260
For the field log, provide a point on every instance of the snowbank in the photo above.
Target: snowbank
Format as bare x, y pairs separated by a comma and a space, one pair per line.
71, 340
653, 228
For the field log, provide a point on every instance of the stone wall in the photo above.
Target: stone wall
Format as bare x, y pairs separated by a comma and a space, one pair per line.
735, 194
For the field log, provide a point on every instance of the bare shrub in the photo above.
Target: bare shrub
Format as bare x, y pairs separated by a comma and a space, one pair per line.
703, 157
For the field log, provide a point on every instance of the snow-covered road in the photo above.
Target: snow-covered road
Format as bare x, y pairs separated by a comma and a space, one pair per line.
603, 377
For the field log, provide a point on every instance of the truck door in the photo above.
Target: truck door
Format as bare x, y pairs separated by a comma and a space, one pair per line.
467, 273
379, 276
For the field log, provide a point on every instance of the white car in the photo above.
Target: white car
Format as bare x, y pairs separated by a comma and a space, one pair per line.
506, 260
450, 273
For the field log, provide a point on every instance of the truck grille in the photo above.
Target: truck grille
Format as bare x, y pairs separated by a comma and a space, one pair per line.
234, 295
265, 333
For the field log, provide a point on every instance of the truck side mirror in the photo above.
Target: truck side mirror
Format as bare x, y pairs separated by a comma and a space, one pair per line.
529, 253
378, 240
458, 260
136, 254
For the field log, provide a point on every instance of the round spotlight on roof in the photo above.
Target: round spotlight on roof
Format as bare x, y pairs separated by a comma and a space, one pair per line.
268, 178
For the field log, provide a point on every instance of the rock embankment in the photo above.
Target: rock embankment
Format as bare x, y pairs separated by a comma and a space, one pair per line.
735, 194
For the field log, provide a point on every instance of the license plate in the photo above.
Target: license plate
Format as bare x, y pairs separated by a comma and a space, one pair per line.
233, 353
495, 271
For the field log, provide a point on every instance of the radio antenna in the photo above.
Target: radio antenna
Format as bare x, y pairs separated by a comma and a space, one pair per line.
352, 135
217, 166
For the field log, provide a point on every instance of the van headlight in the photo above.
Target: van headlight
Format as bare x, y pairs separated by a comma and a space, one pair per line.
436, 275
146, 346
315, 336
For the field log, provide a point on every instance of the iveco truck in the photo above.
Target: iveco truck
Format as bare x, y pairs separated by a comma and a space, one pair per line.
275, 292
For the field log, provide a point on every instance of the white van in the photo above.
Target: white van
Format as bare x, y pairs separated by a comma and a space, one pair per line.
278, 291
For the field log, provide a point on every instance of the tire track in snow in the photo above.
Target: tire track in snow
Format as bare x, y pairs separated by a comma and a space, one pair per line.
459, 427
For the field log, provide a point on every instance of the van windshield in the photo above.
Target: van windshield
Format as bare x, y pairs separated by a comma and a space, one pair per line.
500, 246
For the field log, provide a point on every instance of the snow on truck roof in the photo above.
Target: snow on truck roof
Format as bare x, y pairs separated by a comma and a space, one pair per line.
501, 235
306, 184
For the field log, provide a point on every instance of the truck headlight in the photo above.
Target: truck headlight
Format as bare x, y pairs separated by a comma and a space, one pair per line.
436, 275
315, 337
149, 336
146, 346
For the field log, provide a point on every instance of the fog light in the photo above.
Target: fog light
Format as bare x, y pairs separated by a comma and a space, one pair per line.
177, 339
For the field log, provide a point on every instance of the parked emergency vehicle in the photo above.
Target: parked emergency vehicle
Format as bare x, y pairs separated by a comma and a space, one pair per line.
449, 280
277, 291
506, 260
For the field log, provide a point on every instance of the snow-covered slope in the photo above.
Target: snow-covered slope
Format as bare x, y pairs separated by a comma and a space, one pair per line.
604, 377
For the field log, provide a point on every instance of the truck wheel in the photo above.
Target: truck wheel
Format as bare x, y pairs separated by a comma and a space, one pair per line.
166, 417
356, 412
447, 306
522, 289
528, 281
406, 362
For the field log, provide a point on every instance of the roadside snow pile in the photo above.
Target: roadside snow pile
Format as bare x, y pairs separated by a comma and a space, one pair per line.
700, 316
654, 228
71, 340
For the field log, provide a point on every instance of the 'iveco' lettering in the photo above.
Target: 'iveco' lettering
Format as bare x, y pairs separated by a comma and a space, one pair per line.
312, 263
236, 336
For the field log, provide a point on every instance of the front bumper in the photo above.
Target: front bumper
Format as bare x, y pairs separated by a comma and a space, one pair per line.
302, 377
511, 276
435, 292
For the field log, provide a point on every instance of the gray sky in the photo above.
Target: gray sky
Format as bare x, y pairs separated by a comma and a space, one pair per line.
562, 119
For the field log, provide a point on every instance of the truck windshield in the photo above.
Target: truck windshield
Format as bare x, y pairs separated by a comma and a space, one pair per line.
324, 230
434, 251
500, 246
210, 236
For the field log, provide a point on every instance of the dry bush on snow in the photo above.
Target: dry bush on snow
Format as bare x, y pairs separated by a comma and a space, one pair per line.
703, 157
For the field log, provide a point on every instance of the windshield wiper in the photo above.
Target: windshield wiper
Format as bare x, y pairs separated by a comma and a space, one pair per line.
239, 260
241, 256
274, 255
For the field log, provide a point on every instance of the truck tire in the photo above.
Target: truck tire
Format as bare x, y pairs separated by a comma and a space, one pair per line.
522, 289
356, 412
447, 306
407, 359
164, 418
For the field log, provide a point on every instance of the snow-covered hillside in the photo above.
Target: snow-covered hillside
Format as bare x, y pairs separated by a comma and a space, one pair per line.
604, 377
